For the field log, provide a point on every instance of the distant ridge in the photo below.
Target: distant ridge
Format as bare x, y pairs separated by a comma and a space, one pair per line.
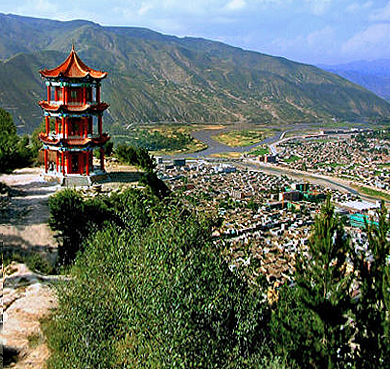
373, 75
155, 77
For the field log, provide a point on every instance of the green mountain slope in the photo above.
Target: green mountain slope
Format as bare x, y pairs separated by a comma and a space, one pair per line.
153, 77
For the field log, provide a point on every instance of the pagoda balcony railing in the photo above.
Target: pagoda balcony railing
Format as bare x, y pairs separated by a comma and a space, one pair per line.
79, 103
53, 135
56, 102
71, 103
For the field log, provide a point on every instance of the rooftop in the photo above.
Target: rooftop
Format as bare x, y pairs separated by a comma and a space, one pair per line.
73, 67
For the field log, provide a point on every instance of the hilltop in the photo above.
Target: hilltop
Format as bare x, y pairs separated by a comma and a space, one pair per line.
155, 77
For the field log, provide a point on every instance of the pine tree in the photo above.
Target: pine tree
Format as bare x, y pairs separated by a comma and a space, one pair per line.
311, 320
372, 309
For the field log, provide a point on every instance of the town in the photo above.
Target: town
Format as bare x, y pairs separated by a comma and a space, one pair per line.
361, 157
265, 219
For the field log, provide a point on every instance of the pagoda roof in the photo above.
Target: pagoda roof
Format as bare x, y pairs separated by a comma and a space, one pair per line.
82, 141
72, 108
73, 67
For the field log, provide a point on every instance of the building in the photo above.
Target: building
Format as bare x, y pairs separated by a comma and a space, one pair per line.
360, 220
303, 187
290, 196
270, 159
73, 113
179, 162
224, 168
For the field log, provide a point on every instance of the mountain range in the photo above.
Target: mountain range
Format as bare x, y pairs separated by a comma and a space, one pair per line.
155, 77
373, 75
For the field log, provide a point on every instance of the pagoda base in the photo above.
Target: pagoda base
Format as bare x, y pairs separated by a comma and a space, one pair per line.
76, 180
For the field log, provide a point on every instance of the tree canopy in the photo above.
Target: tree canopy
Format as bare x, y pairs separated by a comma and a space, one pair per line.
14, 150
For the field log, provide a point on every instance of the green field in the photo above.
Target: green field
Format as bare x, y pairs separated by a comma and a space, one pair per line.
161, 139
241, 138
374, 193
260, 151
292, 159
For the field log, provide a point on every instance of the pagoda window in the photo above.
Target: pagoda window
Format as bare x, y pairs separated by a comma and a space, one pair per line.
76, 127
88, 92
59, 93
75, 96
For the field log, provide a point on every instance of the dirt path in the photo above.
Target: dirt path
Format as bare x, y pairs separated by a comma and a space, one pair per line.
27, 296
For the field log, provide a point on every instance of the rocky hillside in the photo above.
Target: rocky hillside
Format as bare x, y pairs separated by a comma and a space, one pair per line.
154, 77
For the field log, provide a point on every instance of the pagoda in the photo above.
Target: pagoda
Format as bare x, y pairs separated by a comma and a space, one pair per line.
73, 103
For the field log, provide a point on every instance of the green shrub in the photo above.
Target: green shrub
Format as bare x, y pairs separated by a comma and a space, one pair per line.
156, 295
39, 263
137, 156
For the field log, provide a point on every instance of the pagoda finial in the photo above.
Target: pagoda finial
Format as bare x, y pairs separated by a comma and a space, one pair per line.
73, 45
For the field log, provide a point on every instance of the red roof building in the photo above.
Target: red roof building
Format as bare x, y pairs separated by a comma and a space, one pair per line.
73, 113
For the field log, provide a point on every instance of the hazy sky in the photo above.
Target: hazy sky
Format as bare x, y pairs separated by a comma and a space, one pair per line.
312, 31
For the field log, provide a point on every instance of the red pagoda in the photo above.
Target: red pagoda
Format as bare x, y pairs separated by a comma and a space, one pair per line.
73, 103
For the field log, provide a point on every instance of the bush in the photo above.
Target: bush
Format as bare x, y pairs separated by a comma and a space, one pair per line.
156, 295
39, 263
74, 219
137, 156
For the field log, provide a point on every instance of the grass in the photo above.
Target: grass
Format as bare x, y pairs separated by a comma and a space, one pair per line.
300, 133
227, 155
241, 138
292, 159
260, 151
35, 262
171, 130
373, 193
193, 147
35, 339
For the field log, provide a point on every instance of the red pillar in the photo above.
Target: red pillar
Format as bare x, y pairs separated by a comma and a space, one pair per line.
101, 159
84, 95
67, 162
63, 94
87, 164
48, 93
85, 122
45, 158
100, 126
63, 127
47, 118
63, 162
56, 126
56, 93
57, 161
66, 129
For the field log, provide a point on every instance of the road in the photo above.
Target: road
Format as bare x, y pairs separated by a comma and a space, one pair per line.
334, 183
